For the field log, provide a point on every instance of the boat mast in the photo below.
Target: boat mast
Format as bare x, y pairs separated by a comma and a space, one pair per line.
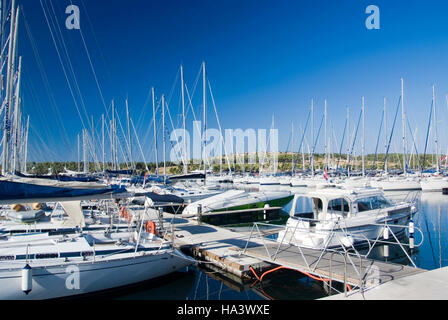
8, 98
79, 165
84, 150
205, 119
102, 142
112, 137
155, 130
129, 134
183, 120
403, 122
312, 138
436, 138
26, 145
303, 151
16, 119
163, 138
348, 141
385, 136
325, 133
363, 137
292, 148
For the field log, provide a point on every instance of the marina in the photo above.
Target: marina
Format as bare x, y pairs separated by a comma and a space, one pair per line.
276, 173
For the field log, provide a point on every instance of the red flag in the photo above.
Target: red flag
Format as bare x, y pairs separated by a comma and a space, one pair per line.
325, 174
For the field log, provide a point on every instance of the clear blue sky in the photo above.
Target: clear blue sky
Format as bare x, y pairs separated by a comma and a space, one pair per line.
263, 58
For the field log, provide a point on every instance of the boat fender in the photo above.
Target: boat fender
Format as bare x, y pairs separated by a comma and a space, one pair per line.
411, 227
150, 227
37, 206
17, 207
27, 279
347, 241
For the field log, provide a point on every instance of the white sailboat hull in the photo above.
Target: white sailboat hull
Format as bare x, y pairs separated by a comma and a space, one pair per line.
433, 185
69, 279
396, 185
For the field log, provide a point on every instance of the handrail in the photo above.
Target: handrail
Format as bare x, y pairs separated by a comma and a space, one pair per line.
337, 228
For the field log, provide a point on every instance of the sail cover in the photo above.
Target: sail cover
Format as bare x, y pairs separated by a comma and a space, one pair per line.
75, 215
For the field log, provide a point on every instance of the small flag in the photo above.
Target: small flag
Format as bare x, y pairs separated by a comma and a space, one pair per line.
325, 174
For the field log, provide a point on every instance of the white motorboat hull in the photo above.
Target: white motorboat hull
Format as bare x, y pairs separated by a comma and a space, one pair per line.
351, 236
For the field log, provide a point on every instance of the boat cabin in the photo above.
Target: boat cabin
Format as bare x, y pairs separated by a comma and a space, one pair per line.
336, 203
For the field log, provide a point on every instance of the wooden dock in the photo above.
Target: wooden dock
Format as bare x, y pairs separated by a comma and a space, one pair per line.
350, 269
231, 252
218, 246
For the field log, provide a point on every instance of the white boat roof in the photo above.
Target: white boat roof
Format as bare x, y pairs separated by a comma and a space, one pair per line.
330, 192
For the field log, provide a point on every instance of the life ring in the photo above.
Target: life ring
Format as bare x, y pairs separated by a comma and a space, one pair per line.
150, 227
125, 214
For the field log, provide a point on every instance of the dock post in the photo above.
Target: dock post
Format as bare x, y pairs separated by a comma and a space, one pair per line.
199, 213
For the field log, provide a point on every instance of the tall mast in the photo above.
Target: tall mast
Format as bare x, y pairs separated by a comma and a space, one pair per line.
363, 138
183, 121
163, 138
385, 136
435, 128
348, 141
312, 137
129, 134
16, 119
204, 102
292, 147
303, 152
79, 165
8, 98
92, 144
102, 142
25, 158
403, 123
325, 131
84, 150
112, 137
155, 130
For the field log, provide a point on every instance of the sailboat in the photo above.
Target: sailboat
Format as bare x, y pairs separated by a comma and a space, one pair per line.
437, 182
40, 266
63, 262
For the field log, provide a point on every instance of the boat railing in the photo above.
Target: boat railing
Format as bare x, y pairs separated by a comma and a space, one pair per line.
409, 197
389, 234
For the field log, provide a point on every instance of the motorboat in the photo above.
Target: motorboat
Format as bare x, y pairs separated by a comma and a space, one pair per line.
335, 216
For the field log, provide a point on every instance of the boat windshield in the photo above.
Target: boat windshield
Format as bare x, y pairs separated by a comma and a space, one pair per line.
372, 203
338, 206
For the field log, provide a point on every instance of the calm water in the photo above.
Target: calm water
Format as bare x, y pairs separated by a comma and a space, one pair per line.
200, 284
